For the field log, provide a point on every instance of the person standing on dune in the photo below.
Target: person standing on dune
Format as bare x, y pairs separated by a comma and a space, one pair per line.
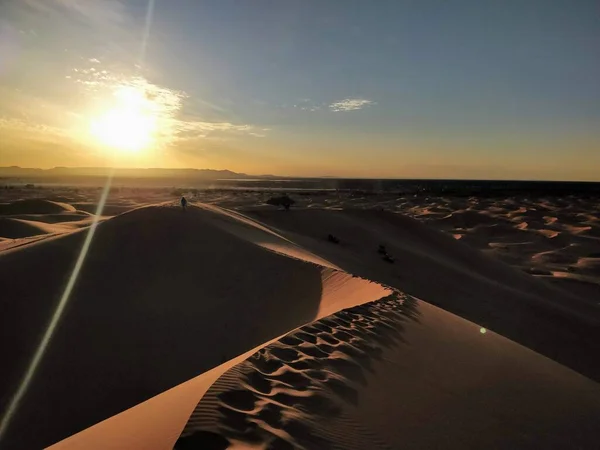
183, 203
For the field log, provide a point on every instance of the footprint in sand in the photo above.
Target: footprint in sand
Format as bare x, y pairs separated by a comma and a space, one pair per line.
272, 399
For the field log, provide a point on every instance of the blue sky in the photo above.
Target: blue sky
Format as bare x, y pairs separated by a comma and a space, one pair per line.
451, 89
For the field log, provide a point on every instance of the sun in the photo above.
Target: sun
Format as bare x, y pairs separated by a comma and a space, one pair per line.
128, 123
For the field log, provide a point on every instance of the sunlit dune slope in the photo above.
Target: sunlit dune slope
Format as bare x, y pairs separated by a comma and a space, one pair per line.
394, 373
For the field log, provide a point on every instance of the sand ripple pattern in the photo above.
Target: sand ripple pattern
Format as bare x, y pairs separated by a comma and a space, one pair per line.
285, 395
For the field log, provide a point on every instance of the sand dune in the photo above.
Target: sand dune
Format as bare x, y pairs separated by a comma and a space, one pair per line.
415, 247
25, 221
14, 228
54, 218
165, 296
158, 287
447, 273
582, 285
540, 226
466, 219
542, 223
35, 206
589, 263
17, 228
376, 376
32, 217
108, 210
246, 228
381, 375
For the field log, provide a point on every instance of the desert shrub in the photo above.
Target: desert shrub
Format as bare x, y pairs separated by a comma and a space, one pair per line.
283, 200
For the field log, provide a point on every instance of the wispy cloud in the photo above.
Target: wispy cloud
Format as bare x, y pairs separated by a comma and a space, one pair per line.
350, 104
192, 129
98, 89
97, 82
306, 104
31, 131
308, 108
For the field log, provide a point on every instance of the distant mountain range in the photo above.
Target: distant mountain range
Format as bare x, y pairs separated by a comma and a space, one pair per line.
204, 174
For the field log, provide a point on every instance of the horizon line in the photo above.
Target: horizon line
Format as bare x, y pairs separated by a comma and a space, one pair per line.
299, 177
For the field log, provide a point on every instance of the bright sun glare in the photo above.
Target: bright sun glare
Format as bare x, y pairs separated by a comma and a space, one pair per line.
129, 122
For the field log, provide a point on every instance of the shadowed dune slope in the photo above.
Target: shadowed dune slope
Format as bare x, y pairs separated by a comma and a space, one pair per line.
35, 217
163, 296
35, 206
15, 228
433, 266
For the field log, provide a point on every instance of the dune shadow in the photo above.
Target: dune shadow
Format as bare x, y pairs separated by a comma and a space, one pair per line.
275, 405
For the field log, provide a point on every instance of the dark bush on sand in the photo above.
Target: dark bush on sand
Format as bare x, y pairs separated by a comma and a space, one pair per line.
284, 201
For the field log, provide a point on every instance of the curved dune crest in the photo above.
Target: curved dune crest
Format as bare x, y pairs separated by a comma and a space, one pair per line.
26, 226
59, 218
159, 286
252, 231
35, 217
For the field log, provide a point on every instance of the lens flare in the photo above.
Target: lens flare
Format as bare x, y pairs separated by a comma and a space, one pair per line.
37, 357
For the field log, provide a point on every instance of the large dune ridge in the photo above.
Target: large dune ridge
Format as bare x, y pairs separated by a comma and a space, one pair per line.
162, 297
259, 310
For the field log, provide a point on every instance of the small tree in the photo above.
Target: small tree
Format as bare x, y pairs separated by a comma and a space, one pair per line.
284, 201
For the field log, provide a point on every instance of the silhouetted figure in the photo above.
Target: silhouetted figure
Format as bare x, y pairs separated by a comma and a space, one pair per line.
183, 203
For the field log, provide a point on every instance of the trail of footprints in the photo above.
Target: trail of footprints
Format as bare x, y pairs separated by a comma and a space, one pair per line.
280, 397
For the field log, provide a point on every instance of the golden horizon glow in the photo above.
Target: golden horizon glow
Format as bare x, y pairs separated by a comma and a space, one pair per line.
129, 123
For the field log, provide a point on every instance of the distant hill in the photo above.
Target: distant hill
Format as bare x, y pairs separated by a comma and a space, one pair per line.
204, 174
